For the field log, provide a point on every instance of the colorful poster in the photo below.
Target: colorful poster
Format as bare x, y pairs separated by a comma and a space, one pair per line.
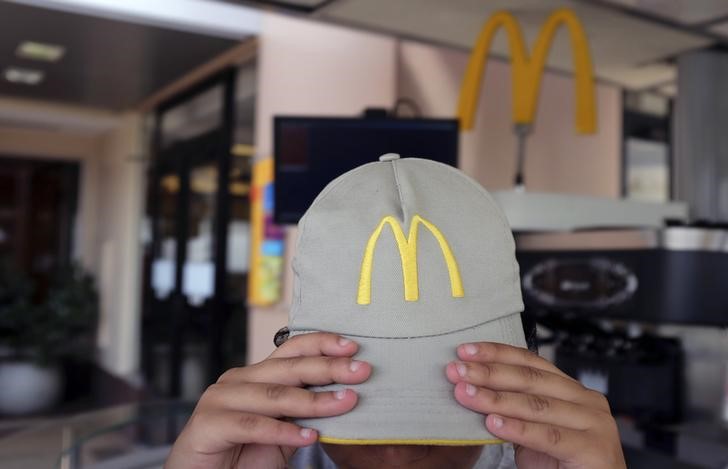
267, 240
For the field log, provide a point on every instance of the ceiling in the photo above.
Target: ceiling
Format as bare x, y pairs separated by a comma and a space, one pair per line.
108, 64
115, 63
633, 42
628, 49
689, 12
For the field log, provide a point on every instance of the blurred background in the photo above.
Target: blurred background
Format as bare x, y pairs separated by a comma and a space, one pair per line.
155, 157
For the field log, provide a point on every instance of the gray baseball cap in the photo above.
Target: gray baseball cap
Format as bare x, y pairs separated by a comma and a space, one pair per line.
409, 258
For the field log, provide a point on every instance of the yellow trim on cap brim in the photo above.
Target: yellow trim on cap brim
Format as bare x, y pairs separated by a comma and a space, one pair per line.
352, 441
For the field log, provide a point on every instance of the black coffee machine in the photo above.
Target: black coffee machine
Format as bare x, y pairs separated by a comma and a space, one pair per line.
599, 292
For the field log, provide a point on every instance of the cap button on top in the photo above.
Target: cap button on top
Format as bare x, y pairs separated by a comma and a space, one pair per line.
389, 157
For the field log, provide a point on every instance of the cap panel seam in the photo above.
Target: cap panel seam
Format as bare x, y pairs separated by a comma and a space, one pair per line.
499, 211
399, 188
454, 331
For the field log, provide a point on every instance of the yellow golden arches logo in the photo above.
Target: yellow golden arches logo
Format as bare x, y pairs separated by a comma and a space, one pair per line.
408, 255
527, 70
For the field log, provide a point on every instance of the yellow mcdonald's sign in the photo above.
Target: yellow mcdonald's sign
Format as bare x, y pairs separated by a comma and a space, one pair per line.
408, 255
527, 70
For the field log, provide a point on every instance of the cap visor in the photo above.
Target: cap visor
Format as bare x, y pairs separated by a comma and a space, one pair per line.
408, 399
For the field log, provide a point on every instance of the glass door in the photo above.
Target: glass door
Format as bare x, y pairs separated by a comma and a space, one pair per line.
188, 305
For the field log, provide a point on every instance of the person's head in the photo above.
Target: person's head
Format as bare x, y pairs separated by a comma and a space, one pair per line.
409, 258
403, 456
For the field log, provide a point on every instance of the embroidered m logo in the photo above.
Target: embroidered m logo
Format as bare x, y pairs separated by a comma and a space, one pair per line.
408, 255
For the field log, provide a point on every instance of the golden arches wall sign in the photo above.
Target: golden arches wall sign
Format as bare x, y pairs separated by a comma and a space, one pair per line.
408, 255
527, 70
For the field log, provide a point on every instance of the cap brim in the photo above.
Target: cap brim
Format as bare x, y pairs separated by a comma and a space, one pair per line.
408, 399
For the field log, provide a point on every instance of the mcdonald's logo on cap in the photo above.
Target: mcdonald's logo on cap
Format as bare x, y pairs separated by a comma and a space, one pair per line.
408, 255
527, 71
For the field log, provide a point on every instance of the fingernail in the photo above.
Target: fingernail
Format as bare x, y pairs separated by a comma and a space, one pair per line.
470, 349
354, 366
340, 394
470, 390
343, 342
306, 433
497, 421
462, 369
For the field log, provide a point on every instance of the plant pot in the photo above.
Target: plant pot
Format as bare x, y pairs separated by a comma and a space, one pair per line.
28, 388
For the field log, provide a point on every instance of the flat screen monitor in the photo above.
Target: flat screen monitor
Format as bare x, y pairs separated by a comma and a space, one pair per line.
309, 152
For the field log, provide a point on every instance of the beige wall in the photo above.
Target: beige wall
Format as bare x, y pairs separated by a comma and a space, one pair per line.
120, 207
557, 159
311, 68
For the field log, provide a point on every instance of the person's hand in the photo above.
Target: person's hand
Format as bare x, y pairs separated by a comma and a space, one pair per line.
239, 422
553, 421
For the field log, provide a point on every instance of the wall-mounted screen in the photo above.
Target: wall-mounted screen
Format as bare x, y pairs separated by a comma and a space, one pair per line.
309, 152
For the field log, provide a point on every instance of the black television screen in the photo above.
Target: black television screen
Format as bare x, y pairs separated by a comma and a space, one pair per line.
310, 152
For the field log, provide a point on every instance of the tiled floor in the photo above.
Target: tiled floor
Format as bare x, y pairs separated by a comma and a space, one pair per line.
129, 436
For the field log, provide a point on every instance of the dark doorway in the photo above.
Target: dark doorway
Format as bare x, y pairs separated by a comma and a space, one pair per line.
38, 201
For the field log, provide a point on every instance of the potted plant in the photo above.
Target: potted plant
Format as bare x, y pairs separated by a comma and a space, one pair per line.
37, 334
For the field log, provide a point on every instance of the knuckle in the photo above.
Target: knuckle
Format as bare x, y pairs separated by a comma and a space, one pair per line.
289, 362
317, 403
248, 422
520, 429
315, 398
487, 371
497, 397
275, 392
553, 435
538, 404
531, 374
331, 362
